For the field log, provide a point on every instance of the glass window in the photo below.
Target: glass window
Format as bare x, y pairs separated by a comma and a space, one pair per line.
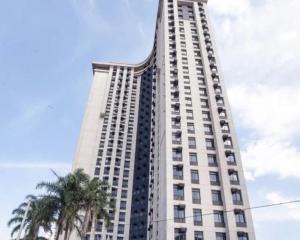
206, 116
197, 213
196, 195
191, 128
242, 236
212, 160
208, 129
219, 218
194, 176
210, 144
180, 234
198, 235
177, 154
240, 218
192, 142
178, 192
193, 159
220, 236
179, 213
233, 176
216, 197
178, 172
214, 178
189, 114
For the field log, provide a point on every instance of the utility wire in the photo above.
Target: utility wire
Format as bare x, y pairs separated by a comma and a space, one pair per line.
227, 211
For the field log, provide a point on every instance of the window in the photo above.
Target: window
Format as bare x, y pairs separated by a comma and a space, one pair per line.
198, 235
236, 196
206, 116
193, 159
242, 236
197, 214
214, 178
240, 218
210, 145
220, 236
178, 191
194, 176
179, 213
204, 103
180, 234
233, 176
189, 114
216, 197
190, 128
192, 142
230, 157
176, 137
178, 172
177, 154
219, 218
188, 101
123, 205
203, 92
208, 129
227, 142
122, 217
121, 229
212, 160
196, 196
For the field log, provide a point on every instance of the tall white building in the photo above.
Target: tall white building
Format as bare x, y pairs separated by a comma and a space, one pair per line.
161, 134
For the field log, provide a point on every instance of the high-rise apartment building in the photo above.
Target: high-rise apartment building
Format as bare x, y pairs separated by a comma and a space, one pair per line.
160, 133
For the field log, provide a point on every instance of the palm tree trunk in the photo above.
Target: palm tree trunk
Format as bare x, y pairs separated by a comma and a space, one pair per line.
58, 230
86, 222
93, 229
66, 232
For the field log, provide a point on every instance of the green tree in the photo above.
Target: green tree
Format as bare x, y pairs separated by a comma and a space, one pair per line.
38, 216
67, 197
95, 205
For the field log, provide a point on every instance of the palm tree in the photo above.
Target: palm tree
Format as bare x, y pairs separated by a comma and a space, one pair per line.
67, 197
96, 202
38, 216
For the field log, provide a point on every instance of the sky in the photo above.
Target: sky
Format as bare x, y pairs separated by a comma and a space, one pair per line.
46, 51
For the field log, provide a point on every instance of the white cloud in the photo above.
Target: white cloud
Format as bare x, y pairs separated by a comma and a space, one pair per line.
286, 212
258, 44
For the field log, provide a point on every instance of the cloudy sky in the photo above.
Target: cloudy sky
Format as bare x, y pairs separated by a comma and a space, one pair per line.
46, 50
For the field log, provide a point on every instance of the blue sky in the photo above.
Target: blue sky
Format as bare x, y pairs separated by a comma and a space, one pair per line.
46, 50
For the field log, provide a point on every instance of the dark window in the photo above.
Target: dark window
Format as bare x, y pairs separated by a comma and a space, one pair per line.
178, 172
216, 197
191, 128
237, 196
220, 236
242, 236
177, 154
208, 129
180, 234
197, 213
193, 159
233, 176
214, 178
240, 218
192, 142
194, 176
198, 235
178, 190
196, 195
212, 160
179, 213
210, 145
219, 219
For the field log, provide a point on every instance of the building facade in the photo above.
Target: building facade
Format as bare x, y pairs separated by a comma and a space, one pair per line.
160, 133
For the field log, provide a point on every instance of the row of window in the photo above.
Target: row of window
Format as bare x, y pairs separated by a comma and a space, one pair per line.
180, 234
